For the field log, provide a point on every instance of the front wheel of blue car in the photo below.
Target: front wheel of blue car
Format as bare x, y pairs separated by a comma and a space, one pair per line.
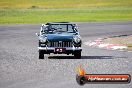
41, 55
77, 54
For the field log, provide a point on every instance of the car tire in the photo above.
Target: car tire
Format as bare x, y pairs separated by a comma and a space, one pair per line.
77, 55
41, 55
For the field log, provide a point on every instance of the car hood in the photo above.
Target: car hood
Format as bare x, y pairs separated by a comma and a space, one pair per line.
60, 37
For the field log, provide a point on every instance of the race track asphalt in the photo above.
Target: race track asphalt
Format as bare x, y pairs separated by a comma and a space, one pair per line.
21, 68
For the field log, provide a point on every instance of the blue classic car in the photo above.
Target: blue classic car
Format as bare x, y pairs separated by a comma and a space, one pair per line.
59, 38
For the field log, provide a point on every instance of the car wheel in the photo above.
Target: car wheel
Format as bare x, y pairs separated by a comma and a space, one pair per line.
77, 54
41, 55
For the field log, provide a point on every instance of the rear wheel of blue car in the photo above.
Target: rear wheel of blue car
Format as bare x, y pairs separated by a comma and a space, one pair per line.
41, 55
77, 54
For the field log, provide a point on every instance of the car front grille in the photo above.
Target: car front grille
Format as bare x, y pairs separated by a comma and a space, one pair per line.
60, 44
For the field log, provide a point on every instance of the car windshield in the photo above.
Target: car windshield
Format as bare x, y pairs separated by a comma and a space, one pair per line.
61, 28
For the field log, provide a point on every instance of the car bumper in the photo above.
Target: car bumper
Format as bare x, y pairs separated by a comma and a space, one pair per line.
52, 49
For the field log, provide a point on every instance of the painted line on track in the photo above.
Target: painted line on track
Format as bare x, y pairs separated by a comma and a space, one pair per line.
100, 44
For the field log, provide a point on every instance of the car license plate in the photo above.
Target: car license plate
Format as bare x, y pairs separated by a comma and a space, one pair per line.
60, 50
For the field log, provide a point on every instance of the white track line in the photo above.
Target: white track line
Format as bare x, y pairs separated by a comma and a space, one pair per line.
99, 43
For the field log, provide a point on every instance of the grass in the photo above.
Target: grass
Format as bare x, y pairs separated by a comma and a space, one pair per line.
74, 15
42, 11
63, 3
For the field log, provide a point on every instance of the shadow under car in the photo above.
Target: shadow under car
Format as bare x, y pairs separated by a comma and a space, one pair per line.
83, 57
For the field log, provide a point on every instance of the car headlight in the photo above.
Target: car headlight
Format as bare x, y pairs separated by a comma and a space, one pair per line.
43, 40
77, 39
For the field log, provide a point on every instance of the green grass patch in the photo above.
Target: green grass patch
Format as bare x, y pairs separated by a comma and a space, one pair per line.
42, 11
74, 15
63, 3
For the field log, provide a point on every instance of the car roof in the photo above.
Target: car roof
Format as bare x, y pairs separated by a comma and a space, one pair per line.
59, 23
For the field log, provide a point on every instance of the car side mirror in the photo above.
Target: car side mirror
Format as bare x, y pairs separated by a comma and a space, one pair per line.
37, 34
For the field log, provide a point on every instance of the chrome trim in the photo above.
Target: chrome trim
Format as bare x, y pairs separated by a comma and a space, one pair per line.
67, 48
60, 44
